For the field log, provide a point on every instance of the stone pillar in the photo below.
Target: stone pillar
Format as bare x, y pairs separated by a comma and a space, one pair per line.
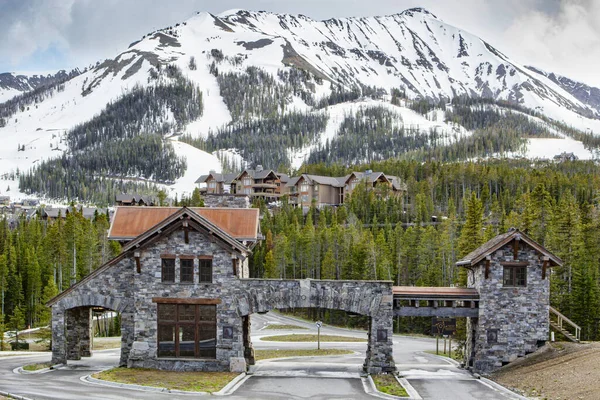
127, 337
380, 357
471, 342
79, 333
73, 344
85, 323
248, 350
59, 343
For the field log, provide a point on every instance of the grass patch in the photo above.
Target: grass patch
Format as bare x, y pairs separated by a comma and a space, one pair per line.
388, 384
312, 338
172, 380
103, 343
283, 327
268, 354
455, 355
36, 367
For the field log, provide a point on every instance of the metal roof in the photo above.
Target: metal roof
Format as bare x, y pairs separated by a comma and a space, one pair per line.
433, 292
130, 222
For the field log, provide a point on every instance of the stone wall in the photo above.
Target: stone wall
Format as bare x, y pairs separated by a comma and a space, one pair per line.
226, 200
148, 285
121, 288
370, 298
513, 321
110, 288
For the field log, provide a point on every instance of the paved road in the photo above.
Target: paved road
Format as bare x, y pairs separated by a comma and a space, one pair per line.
433, 377
333, 377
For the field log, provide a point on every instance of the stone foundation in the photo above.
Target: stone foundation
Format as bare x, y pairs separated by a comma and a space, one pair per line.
226, 200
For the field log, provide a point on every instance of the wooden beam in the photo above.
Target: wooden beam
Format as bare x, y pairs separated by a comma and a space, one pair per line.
174, 300
186, 234
487, 269
138, 266
514, 263
436, 312
516, 249
544, 267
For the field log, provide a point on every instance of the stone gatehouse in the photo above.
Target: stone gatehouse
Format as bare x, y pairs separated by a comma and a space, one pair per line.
511, 273
181, 285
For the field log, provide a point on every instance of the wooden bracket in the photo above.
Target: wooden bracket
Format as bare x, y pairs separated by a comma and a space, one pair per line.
544, 267
138, 265
516, 248
487, 268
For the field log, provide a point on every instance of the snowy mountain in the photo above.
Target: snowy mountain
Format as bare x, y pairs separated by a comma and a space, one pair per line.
12, 84
273, 89
589, 95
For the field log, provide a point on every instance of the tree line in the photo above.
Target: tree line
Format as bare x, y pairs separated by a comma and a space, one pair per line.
125, 141
393, 238
39, 259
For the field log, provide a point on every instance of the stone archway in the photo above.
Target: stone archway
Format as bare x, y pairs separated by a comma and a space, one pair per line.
370, 298
71, 326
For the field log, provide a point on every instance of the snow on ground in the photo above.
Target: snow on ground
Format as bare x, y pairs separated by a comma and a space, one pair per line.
231, 157
7, 94
548, 148
405, 117
198, 163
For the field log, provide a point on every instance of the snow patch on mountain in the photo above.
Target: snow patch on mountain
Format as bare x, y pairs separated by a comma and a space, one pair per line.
548, 148
198, 163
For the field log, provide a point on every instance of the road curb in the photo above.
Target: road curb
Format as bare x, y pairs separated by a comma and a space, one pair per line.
14, 396
227, 390
371, 389
500, 388
450, 360
234, 385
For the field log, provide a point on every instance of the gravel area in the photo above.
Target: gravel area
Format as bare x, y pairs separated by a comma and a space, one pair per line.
560, 371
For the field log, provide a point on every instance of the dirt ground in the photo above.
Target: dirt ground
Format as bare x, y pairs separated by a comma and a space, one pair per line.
560, 371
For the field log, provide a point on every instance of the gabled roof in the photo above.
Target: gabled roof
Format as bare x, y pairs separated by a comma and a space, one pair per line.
369, 177
221, 178
134, 197
500, 241
293, 181
284, 178
130, 222
161, 229
324, 180
397, 183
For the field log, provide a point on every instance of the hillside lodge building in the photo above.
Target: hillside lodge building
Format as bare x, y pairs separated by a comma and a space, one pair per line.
302, 190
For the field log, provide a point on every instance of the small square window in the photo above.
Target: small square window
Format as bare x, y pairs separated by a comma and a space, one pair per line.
515, 276
168, 270
186, 269
206, 270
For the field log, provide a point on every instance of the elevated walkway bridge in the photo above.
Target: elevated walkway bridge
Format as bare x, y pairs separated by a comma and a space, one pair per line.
410, 301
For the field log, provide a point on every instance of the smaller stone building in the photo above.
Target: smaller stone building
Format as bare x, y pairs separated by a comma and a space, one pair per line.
511, 275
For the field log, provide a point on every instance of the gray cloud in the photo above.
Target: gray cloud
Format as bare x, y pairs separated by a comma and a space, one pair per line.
556, 35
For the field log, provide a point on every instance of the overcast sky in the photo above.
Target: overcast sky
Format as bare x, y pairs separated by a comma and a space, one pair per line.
562, 36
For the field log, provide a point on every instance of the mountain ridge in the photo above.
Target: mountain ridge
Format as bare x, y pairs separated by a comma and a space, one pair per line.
257, 72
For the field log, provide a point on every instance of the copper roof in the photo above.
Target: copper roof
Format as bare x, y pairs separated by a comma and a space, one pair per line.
130, 222
425, 291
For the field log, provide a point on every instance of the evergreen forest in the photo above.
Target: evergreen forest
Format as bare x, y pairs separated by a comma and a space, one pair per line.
448, 210
123, 146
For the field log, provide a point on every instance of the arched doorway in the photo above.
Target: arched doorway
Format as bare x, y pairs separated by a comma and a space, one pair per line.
369, 298
72, 326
